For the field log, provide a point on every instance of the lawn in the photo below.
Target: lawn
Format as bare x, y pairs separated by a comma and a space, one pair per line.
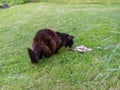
94, 25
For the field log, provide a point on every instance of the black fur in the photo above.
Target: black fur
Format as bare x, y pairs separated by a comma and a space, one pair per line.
47, 42
67, 40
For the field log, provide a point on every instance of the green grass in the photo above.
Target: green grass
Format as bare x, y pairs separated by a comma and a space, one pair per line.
83, 1
93, 25
15, 2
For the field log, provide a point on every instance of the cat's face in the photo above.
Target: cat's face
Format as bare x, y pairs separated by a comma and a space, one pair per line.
69, 41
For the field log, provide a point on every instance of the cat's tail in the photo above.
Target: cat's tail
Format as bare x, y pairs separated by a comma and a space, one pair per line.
32, 55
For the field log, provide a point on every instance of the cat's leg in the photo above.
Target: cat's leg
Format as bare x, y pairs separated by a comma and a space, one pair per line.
56, 51
46, 51
51, 44
32, 55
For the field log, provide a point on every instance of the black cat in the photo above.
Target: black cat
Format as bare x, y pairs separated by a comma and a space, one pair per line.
47, 42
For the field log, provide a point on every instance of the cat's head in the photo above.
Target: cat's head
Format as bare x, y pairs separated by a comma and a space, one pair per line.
67, 40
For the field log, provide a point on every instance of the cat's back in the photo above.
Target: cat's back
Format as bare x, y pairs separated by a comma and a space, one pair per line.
45, 31
41, 35
44, 34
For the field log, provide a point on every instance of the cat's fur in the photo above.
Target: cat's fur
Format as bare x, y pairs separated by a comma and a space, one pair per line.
47, 42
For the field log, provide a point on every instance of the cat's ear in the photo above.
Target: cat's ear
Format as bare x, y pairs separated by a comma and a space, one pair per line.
70, 37
32, 56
